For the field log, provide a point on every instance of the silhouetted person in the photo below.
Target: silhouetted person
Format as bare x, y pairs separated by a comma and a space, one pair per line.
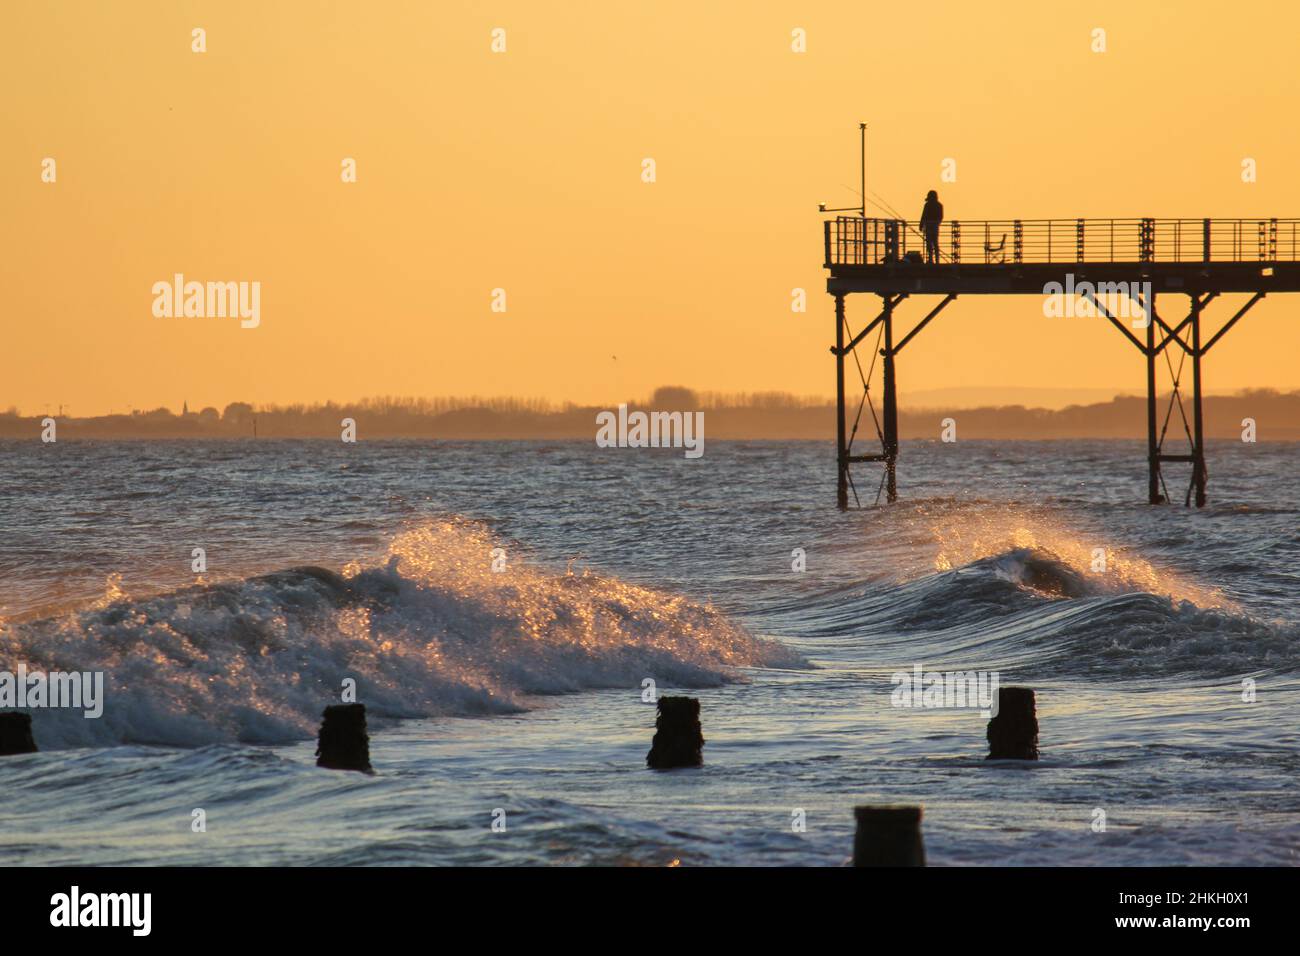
931, 216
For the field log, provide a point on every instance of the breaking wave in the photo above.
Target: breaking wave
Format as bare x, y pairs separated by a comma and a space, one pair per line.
430, 631
1038, 612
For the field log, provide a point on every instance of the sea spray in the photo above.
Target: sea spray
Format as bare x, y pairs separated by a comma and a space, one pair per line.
431, 631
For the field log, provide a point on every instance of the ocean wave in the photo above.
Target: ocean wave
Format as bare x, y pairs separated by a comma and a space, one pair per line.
1034, 612
431, 631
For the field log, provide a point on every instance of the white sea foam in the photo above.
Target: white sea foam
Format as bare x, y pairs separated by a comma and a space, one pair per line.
432, 631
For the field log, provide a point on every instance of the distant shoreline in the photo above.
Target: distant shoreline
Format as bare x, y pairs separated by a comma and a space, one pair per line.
1276, 416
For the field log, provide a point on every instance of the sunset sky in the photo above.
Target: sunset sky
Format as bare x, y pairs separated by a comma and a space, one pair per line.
522, 171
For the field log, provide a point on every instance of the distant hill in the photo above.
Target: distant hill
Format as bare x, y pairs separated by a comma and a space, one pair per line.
997, 396
756, 416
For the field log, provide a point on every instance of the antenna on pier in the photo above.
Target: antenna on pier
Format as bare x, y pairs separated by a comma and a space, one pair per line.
862, 165
862, 168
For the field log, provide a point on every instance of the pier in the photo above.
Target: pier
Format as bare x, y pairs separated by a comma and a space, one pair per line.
1099, 261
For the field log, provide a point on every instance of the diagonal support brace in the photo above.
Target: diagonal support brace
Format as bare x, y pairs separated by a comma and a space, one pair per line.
1175, 334
889, 305
1114, 321
922, 324
1231, 322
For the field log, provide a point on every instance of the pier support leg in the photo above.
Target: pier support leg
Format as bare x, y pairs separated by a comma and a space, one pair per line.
889, 426
1198, 431
841, 444
1153, 444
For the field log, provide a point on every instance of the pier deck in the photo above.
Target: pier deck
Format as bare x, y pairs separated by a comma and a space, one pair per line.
1118, 267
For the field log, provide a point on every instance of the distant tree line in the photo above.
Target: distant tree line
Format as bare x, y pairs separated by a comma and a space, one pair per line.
760, 415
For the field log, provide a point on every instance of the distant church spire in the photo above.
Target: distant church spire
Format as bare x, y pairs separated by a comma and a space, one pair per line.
185, 407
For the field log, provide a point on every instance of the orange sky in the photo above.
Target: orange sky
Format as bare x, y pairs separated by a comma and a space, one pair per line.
522, 171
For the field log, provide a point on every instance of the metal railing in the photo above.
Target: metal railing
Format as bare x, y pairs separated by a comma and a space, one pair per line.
853, 240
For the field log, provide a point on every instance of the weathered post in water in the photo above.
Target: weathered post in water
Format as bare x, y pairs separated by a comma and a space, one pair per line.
1013, 731
888, 836
344, 743
678, 740
16, 734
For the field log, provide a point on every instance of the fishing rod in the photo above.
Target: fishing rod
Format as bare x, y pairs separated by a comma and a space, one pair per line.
899, 216
880, 202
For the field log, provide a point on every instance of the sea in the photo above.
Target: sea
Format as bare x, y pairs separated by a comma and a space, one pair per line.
508, 613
